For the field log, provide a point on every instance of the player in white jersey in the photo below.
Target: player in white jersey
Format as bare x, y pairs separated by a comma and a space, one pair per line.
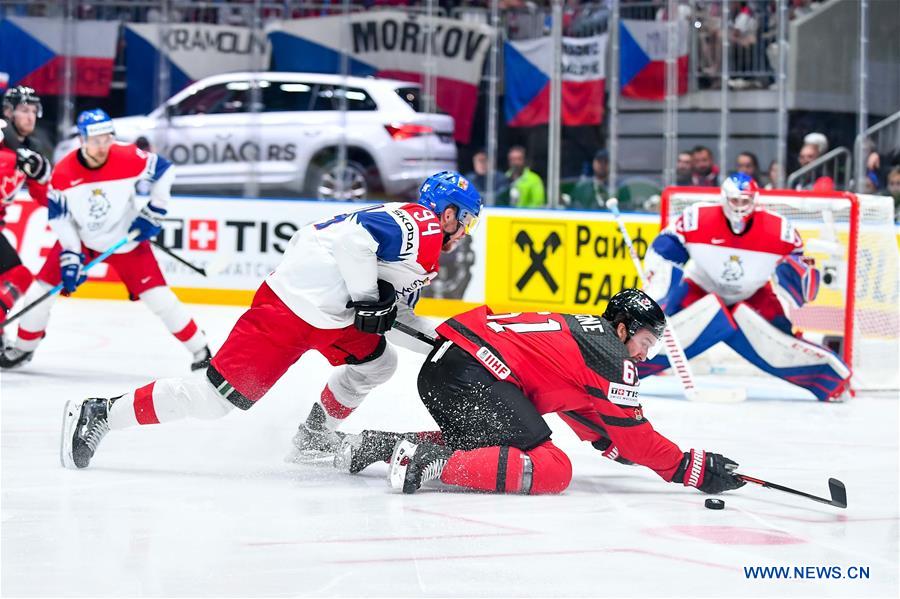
338, 289
92, 204
712, 269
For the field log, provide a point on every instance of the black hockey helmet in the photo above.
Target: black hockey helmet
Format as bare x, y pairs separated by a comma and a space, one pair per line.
22, 94
636, 310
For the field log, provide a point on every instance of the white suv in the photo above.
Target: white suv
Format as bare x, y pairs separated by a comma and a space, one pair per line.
291, 142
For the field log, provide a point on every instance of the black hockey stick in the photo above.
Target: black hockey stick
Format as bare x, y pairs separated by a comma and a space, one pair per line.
835, 487
190, 265
414, 333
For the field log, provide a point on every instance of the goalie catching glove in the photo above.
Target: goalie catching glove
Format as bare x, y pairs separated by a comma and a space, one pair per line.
376, 316
710, 472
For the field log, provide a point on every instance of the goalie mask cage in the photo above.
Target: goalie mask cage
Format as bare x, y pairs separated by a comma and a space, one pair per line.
853, 239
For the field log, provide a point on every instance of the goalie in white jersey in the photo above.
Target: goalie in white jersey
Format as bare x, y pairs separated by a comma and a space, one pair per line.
92, 204
338, 289
713, 270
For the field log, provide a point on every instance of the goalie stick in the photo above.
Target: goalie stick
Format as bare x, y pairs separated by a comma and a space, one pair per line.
835, 487
677, 359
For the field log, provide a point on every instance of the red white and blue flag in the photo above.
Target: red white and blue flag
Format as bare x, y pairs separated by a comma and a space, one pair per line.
395, 45
192, 51
528, 65
32, 53
643, 47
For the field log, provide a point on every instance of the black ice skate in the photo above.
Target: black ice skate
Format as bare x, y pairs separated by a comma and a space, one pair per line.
413, 465
84, 426
358, 452
313, 440
14, 358
201, 359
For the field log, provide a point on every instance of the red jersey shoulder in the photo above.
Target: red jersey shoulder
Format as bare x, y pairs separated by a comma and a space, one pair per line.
125, 161
701, 222
771, 230
431, 238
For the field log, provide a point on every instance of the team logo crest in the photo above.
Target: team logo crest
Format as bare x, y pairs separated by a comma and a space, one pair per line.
734, 269
98, 209
463, 183
645, 303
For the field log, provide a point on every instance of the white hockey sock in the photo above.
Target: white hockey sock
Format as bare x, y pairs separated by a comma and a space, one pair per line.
349, 385
163, 302
166, 400
34, 323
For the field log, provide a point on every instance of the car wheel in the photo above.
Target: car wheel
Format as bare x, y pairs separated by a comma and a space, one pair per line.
331, 182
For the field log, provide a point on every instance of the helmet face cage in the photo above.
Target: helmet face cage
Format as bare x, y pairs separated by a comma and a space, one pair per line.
739, 192
22, 94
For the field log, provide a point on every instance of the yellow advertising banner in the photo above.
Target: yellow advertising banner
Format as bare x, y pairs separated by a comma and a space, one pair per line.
560, 263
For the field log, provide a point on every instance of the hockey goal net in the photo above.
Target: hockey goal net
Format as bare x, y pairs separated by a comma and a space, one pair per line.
854, 241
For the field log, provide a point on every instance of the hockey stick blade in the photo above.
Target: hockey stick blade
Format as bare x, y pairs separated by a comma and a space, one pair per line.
838, 492
835, 487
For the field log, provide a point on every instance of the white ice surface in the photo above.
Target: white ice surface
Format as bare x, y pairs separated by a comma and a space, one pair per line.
211, 509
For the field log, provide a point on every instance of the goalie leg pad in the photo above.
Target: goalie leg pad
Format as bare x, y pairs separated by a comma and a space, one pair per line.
546, 469
794, 360
698, 326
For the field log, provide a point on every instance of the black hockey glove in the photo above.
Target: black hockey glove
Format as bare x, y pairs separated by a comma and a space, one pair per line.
709, 472
376, 317
32, 164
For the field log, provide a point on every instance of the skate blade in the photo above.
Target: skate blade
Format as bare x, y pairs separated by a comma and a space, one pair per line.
70, 422
403, 452
343, 458
307, 456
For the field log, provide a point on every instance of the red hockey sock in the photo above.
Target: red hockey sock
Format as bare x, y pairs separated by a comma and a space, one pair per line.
13, 284
335, 410
505, 470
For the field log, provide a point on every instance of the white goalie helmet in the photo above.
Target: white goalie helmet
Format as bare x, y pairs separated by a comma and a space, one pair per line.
739, 193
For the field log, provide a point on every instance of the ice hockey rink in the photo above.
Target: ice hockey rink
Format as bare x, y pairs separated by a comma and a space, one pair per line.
211, 509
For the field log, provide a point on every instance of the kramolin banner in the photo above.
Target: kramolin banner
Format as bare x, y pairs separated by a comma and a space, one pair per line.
392, 44
192, 52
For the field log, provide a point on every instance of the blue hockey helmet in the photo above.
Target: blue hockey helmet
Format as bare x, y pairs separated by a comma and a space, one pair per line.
94, 122
449, 188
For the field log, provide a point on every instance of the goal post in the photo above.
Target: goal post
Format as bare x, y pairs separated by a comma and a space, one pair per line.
853, 239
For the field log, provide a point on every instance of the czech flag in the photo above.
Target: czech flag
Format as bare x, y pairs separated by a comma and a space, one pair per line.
643, 47
32, 54
192, 51
528, 65
394, 45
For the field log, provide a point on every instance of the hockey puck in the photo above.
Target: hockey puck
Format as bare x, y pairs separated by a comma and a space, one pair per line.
715, 504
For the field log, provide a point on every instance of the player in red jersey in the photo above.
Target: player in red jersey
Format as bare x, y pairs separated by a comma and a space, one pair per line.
491, 377
93, 203
21, 163
712, 271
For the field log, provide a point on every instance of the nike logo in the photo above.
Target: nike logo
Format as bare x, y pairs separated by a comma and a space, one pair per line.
144, 280
76, 182
716, 241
